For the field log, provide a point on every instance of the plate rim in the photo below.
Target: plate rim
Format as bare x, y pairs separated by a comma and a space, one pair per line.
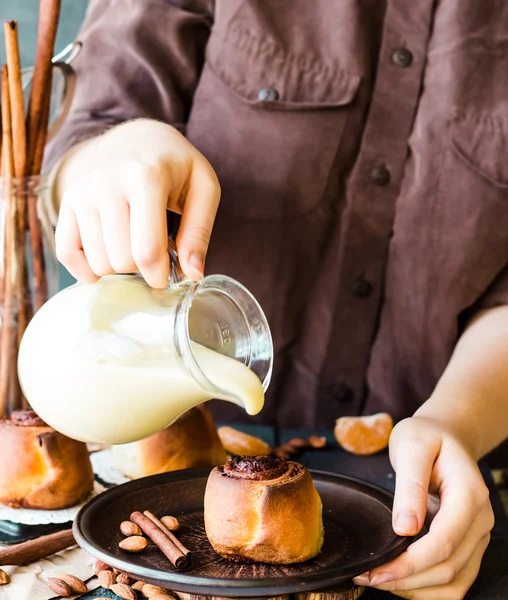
239, 588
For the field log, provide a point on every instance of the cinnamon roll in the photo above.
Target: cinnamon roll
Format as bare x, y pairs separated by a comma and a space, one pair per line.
39, 467
190, 442
263, 509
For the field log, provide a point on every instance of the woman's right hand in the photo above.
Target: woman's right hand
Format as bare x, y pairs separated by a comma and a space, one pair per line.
114, 192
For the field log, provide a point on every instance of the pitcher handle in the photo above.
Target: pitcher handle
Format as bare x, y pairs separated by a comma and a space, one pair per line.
176, 276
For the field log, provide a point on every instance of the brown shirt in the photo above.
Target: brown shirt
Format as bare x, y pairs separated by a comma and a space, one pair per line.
362, 149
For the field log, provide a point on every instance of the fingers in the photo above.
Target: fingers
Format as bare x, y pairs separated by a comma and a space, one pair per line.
453, 520
463, 496
433, 504
198, 217
115, 222
101, 231
443, 563
413, 460
69, 248
119, 189
447, 571
92, 239
148, 228
457, 589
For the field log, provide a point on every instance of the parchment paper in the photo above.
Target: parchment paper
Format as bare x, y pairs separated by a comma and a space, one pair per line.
27, 583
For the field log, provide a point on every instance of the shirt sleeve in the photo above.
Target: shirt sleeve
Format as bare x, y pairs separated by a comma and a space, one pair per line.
139, 59
497, 293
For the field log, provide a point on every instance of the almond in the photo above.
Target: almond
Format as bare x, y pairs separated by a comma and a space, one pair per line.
289, 448
4, 578
138, 585
59, 587
124, 591
172, 523
298, 443
100, 566
149, 590
123, 578
162, 597
77, 586
106, 579
129, 528
135, 543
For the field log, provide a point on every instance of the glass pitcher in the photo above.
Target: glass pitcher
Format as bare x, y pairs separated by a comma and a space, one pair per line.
117, 361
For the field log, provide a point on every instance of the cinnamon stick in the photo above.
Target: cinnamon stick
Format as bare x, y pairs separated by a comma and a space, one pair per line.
16, 98
161, 540
2, 216
15, 401
7, 332
39, 271
43, 131
168, 532
19, 149
24, 296
49, 12
37, 126
20, 166
27, 552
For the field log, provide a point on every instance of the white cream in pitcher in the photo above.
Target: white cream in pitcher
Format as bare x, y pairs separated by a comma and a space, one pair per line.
98, 363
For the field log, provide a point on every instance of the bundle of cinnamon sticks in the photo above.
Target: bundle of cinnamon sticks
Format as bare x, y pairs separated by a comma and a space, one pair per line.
23, 283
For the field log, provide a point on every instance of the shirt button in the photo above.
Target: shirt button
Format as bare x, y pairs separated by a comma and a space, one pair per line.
268, 94
380, 175
402, 57
342, 393
362, 288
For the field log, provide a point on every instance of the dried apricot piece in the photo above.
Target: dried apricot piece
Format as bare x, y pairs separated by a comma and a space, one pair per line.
364, 435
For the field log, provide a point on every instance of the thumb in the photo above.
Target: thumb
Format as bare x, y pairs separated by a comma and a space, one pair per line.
413, 459
198, 217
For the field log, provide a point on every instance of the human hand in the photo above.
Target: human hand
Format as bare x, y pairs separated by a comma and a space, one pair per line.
442, 565
115, 192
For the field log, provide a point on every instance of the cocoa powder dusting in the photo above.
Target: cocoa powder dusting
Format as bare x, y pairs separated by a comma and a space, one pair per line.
260, 468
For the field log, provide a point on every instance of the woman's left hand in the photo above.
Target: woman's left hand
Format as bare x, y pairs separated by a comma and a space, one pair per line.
442, 565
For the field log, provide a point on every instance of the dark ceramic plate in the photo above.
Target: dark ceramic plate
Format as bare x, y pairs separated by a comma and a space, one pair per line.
358, 537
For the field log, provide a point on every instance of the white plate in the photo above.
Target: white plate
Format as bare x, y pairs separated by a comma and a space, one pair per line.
32, 516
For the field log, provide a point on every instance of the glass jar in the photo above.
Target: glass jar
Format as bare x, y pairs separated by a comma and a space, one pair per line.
117, 361
28, 273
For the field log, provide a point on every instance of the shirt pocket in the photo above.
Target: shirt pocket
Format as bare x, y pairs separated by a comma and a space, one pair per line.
472, 207
271, 123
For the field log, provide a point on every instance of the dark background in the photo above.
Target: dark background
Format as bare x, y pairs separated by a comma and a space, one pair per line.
26, 12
